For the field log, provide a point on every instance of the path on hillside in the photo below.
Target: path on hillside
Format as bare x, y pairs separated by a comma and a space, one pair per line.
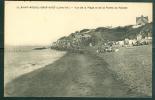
72, 75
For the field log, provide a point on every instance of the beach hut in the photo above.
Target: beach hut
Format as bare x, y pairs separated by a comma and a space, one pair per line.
90, 44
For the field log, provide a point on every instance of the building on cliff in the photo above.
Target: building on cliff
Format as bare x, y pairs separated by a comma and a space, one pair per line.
142, 20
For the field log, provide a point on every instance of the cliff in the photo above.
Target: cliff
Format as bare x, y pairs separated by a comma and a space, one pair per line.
84, 37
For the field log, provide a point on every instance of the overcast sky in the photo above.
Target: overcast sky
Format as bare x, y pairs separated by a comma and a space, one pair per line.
43, 26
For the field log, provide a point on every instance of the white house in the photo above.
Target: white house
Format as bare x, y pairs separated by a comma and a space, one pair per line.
121, 43
139, 37
126, 41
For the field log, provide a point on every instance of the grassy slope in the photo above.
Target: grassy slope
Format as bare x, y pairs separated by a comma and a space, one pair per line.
120, 33
134, 66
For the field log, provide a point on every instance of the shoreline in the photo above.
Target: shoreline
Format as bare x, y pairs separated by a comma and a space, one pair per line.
29, 65
34, 71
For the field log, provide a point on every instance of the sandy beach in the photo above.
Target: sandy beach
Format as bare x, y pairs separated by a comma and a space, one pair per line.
134, 66
73, 75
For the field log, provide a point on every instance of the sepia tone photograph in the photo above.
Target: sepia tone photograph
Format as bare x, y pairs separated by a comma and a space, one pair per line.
78, 49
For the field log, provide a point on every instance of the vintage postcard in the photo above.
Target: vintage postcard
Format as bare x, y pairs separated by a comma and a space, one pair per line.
78, 49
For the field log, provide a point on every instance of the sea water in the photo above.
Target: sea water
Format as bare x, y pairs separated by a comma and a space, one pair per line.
19, 60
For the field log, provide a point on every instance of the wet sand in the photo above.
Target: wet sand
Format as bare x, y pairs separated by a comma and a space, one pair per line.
73, 75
